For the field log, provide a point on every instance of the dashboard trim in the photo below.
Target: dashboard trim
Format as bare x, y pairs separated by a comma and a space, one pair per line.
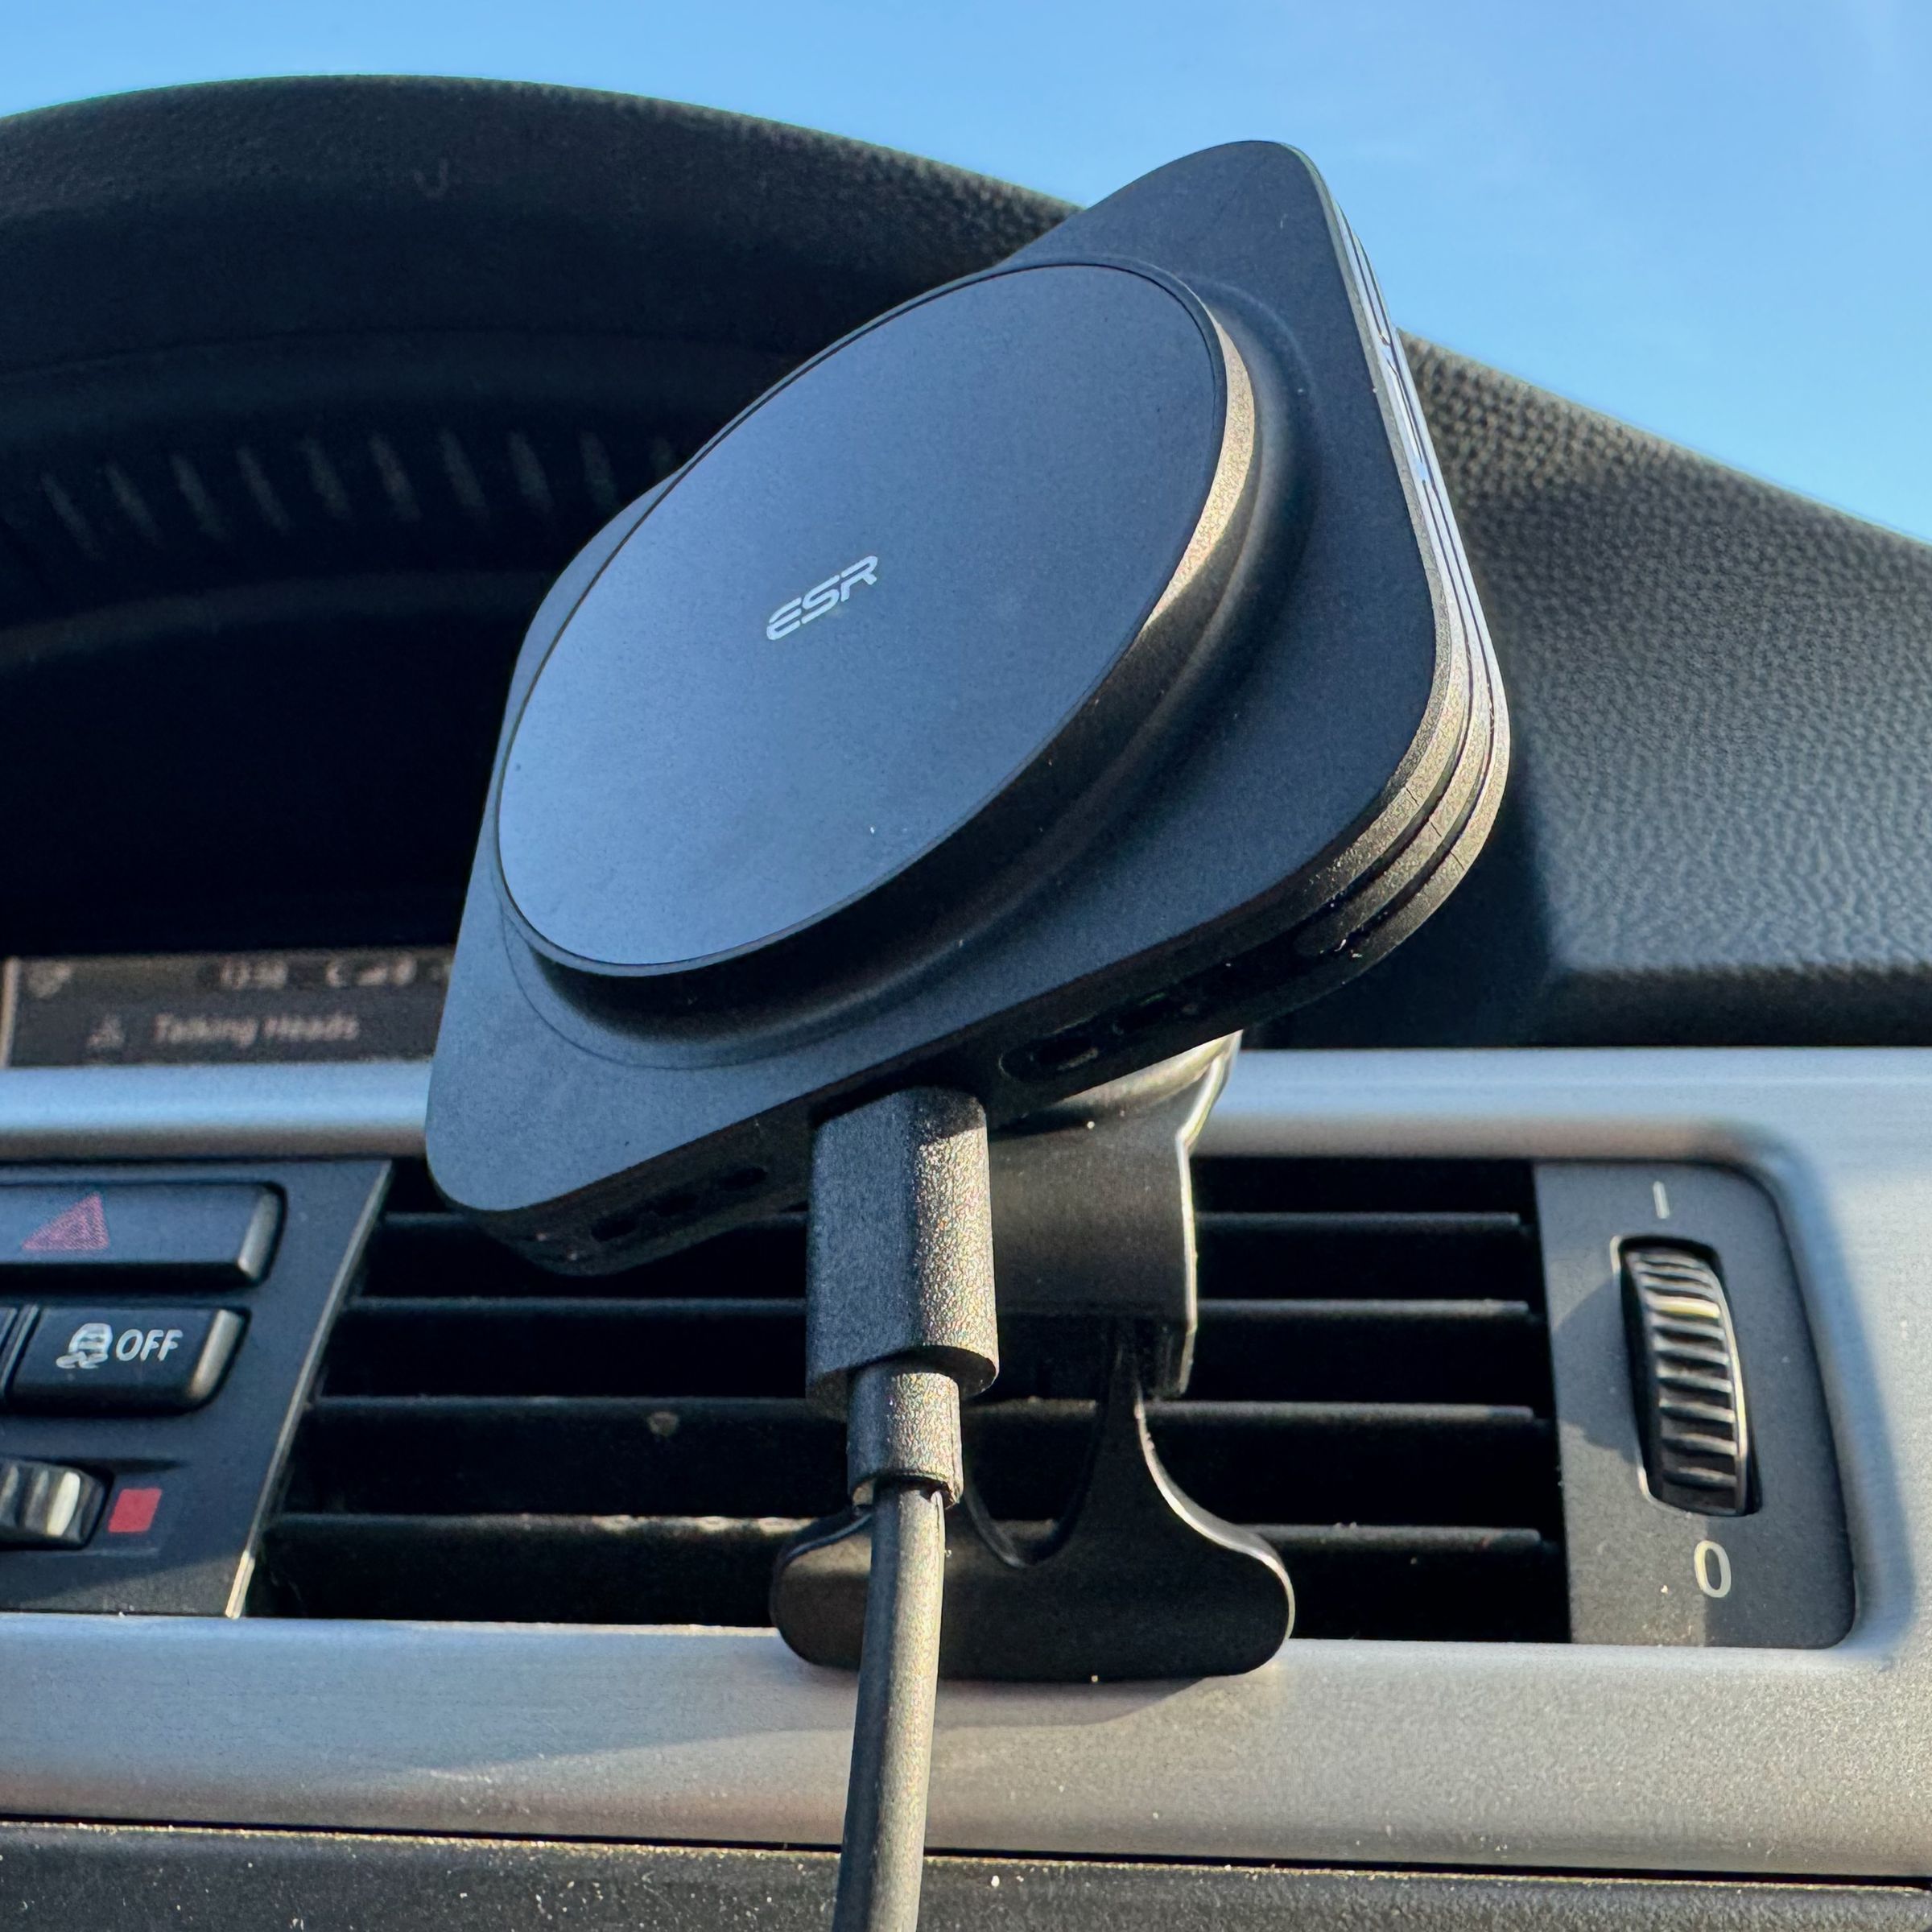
1574, 1756
96, 1113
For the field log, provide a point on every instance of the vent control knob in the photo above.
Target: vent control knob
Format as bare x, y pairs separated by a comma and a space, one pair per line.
1690, 1385
46, 1505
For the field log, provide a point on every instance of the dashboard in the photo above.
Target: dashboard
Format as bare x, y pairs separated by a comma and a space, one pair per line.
363, 1597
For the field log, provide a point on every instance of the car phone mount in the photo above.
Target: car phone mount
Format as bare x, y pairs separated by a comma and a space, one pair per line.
1093, 1230
1073, 665
1053, 675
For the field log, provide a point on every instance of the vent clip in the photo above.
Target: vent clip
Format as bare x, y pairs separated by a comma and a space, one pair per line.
1093, 1222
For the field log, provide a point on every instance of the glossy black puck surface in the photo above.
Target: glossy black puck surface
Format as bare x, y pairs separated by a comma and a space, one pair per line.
947, 571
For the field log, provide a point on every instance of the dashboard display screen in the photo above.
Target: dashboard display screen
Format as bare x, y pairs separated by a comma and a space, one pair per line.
224, 1008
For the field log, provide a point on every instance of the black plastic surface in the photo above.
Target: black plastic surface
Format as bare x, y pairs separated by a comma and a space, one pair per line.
131, 1879
1135, 1581
1093, 1210
191, 1548
1641, 1570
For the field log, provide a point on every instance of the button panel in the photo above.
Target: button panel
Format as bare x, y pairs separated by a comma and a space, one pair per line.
185, 1439
85, 1360
143, 1234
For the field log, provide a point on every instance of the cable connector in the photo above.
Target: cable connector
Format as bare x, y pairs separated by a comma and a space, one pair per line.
901, 1245
902, 1426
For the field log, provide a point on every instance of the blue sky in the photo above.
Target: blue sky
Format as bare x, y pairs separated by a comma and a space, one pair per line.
1713, 217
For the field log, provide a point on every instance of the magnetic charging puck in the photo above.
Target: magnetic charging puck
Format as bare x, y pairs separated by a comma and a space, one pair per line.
895, 622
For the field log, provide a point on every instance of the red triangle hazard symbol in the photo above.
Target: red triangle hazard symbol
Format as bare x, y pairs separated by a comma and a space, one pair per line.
81, 1229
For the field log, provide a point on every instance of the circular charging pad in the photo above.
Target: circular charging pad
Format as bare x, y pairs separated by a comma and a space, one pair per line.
911, 604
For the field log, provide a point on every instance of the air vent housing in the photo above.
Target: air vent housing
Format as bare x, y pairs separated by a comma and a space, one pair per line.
1371, 1390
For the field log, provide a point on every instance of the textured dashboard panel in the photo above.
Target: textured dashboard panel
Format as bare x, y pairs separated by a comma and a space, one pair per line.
1719, 827
464, 205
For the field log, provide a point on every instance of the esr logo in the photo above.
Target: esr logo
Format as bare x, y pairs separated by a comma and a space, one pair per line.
821, 598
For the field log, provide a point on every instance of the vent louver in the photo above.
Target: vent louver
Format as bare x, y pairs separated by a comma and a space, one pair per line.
1370, 1389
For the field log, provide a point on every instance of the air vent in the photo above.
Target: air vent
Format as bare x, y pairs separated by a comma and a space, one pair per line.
366, 495
278, 462
1372, 1389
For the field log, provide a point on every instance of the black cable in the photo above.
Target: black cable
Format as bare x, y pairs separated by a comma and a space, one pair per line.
899, 1322
880, 1872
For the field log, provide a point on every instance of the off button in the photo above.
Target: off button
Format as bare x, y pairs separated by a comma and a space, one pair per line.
125, 1361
